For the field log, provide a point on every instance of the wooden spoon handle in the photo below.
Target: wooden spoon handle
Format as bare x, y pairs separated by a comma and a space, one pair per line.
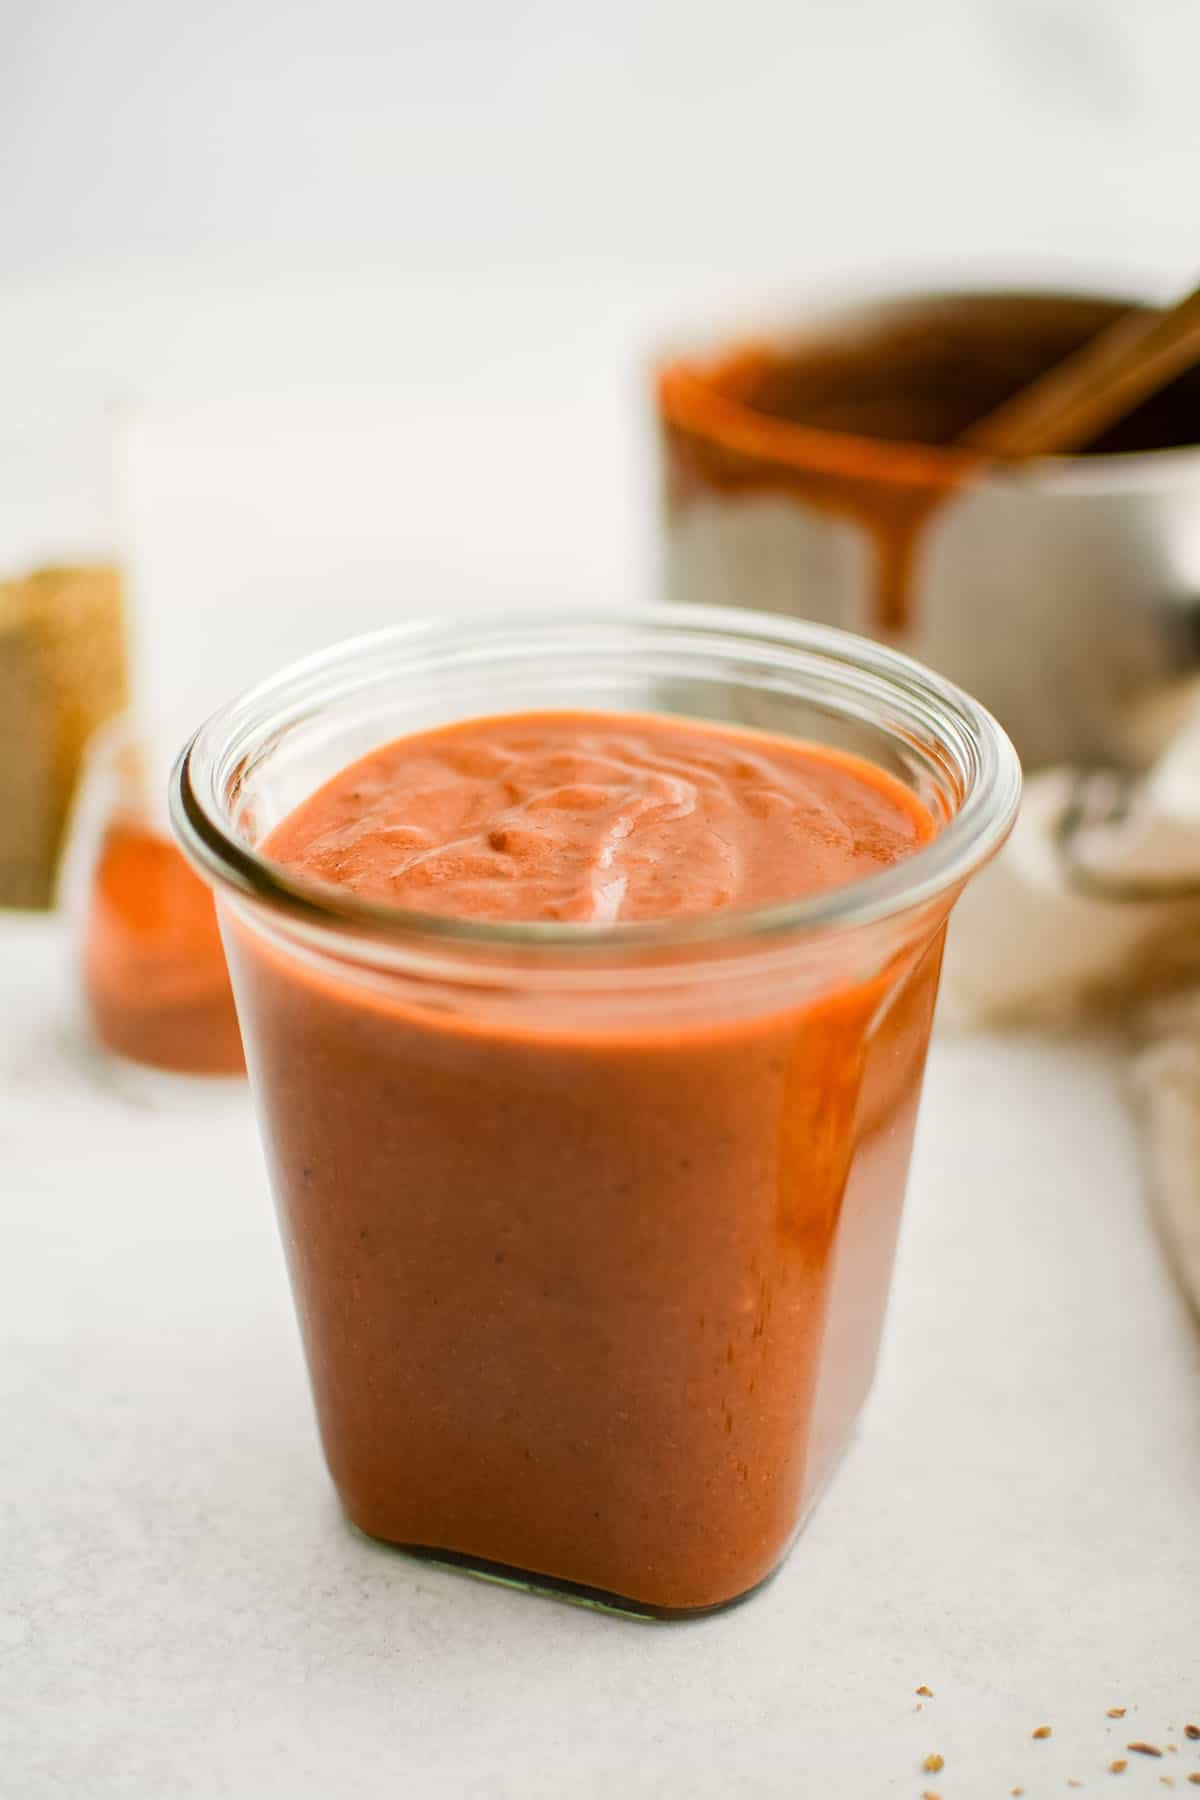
1077, 399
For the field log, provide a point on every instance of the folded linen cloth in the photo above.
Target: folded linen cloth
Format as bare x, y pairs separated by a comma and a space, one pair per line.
1092, 910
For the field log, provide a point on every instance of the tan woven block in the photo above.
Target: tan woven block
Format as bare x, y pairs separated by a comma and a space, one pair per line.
63, 672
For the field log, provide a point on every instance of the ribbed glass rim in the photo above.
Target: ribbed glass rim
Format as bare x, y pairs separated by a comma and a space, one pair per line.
866, 680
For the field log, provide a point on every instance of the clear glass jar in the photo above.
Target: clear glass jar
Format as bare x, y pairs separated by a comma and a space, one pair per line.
590, 1229
147, 953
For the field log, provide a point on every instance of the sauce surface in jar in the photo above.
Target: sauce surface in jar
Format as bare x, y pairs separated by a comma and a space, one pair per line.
599, 819
597, 1303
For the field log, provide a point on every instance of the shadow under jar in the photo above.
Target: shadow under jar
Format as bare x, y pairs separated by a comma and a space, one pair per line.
590, 1229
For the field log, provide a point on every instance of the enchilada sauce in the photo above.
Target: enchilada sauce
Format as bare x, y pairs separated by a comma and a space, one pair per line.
591, 1297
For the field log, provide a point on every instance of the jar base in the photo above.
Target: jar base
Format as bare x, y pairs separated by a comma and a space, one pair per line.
574, 1593
569, 1593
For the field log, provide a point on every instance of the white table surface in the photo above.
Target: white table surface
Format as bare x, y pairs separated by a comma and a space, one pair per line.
183, 1612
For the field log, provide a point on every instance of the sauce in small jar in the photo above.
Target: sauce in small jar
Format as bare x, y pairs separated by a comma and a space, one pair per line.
149, 953
154, 970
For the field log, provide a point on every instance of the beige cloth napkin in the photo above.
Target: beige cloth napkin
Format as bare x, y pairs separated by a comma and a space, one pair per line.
1092, 910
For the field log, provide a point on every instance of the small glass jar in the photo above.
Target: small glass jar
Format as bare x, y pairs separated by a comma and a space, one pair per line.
148, 956
590, 1229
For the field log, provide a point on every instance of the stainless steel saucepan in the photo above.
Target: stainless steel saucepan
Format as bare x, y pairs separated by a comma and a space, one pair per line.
1058, 592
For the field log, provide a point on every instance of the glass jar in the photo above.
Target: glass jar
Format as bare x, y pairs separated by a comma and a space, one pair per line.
147, 952
590, 1229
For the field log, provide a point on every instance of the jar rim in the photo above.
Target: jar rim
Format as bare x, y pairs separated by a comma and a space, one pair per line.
986, 763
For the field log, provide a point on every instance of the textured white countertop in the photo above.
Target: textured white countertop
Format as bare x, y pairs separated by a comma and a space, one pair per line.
183, 1612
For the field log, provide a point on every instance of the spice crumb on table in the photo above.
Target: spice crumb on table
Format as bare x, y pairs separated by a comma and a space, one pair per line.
1116, 1712
925, 1692
1191, 1731
1144, 1749
933, 1763
1043, 1731
1118, 1763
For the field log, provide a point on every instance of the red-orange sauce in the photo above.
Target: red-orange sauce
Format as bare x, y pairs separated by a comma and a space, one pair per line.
598, 819
154, 971
594, 1298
